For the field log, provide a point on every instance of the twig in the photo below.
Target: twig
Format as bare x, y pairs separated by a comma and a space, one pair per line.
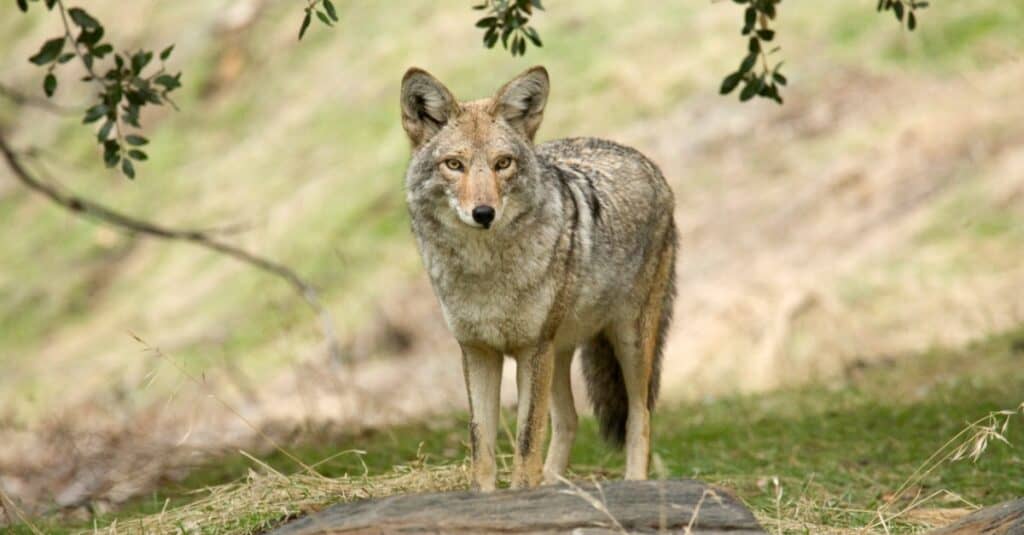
88, 68
7, 503
97, 212
599, 504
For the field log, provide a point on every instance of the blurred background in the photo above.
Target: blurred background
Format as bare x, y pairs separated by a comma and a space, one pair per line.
878, 212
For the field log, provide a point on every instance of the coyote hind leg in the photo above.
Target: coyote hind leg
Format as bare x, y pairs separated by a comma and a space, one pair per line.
638, 342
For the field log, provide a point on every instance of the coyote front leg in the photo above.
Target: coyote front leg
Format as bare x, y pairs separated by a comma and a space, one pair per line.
482, 369
534, 371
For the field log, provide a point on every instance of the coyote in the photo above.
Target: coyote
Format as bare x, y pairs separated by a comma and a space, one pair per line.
535, 251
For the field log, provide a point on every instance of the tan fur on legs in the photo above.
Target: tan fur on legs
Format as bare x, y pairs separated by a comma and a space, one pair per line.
563, 419
534, 370
636, 376
635, 347
482, 370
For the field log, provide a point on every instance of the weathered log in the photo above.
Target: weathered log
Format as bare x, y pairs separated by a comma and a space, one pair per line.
612, 507
1006, 518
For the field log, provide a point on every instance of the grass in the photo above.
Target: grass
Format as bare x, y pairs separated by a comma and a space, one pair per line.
819, 458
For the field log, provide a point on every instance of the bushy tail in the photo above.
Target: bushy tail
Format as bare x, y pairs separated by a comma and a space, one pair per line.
606, 388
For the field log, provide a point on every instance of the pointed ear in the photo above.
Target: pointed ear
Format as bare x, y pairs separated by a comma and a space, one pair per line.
426, 105
521, 102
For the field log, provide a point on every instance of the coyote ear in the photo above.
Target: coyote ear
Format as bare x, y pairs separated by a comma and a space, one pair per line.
426, 105
521, 101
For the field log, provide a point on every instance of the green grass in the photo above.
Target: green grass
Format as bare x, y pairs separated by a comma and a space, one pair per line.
837, 450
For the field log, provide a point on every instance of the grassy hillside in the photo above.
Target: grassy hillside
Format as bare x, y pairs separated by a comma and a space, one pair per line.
822, 459
299, 143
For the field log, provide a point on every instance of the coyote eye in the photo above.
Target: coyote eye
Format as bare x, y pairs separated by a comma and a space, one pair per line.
503, 163
453, 164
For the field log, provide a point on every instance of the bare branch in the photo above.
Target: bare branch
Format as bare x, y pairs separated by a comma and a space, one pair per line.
97, 212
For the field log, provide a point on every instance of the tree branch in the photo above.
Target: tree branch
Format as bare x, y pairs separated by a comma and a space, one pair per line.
97, 212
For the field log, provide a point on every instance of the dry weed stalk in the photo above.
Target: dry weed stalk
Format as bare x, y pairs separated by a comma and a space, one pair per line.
599, 504
970, 443
8, 506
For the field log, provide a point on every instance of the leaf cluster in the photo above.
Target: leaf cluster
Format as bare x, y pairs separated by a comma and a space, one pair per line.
509, 22
325, 12
903, 10
124, 88
758, 78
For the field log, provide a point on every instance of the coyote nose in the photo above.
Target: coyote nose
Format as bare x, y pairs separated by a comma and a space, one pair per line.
484, 215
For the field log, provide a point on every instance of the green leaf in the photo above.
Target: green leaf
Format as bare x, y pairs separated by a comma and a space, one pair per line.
491, 37
23, 5
323, 18
128, 168
136, 140
89, 37
48, 52
749, 18
94, 113
486, 22
49, 84
111, 152
730, 82
532, 35
749, 91
102, 50
166, 53
748, 63
305, 25
780, 78
911, 21
897, 8
169, 82
140, 59
83, 19
329, 7
65, 57
766, 35
104, 130
754, 46
138, 155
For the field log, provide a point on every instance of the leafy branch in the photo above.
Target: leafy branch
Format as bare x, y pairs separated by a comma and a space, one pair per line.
756, 73
765, 80
328, 15
509, 18
900, 8
122, 90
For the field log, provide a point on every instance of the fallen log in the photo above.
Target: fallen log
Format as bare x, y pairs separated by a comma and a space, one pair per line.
611, 507
1006, 518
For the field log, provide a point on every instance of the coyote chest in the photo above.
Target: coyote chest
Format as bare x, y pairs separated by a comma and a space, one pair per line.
497, 299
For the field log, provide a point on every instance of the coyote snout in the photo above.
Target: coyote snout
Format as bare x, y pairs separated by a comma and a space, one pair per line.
536, 251
476, 186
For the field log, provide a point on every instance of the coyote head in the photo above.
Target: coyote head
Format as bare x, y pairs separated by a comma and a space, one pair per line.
473, 162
